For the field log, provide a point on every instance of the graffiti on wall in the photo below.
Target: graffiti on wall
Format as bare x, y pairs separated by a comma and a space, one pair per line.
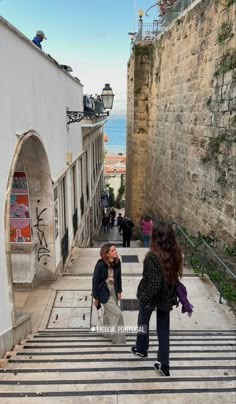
19, 209
43, 250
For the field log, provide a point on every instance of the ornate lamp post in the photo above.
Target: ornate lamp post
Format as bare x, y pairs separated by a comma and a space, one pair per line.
107, 97
140, 24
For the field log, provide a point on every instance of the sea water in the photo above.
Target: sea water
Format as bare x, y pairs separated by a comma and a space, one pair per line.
115, 129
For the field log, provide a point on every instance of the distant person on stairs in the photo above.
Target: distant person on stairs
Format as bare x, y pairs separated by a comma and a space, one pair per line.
127, 227
107, 288
105, 223
162, 268
146, 228
112, 217
119, 222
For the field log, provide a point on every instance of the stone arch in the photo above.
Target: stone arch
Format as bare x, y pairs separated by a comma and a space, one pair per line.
30, 257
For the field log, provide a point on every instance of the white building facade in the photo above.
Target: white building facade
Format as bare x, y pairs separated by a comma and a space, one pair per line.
51, 173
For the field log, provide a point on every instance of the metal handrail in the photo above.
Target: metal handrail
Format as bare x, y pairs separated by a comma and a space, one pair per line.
206, 261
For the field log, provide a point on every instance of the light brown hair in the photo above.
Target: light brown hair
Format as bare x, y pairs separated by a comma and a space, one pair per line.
104, 252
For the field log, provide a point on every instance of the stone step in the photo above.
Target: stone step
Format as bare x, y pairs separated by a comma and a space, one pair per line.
95, 370
37, 357
128, 385
146, 397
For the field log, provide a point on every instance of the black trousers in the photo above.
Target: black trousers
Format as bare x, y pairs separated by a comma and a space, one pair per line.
163, 331
126, 240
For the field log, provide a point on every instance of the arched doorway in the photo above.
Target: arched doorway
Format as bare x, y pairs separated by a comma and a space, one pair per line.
30, 209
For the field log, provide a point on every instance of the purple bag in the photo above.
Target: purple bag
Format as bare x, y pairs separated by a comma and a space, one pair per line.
181, 293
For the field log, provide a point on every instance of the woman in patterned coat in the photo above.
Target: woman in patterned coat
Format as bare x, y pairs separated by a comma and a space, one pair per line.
161, 270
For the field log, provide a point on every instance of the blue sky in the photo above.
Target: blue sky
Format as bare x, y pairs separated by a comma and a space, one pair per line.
90, 36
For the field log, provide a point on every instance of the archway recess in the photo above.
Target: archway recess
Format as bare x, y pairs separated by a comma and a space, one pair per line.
30, 208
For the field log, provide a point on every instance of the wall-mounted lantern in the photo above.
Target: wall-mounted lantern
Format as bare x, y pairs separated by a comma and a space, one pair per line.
107, 97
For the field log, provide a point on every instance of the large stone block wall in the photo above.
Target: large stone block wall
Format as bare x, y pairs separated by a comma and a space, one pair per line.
181, 123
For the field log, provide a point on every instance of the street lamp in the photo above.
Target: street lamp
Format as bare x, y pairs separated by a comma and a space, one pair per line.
107, 96
140, 25
140, 14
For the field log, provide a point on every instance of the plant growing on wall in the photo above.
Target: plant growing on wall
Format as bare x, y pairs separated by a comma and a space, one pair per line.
223, 162
227, 62
225, 32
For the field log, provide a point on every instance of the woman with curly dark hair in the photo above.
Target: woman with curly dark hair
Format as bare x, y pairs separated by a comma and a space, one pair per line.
162, 268
107, 288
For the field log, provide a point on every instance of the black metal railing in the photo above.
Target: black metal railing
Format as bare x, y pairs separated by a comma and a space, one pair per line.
87, 192
64, 246
92, 109
75, 221
82, 205
204, 260
148, 32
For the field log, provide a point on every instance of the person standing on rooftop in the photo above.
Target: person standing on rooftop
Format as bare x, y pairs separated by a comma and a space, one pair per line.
39, 37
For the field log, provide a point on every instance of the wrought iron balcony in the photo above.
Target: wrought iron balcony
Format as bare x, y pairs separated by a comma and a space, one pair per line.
93, 107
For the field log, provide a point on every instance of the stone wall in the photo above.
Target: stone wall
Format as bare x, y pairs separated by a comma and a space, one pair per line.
181, 123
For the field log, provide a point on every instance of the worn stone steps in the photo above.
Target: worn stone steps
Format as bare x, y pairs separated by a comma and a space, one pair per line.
45, 367
74, 365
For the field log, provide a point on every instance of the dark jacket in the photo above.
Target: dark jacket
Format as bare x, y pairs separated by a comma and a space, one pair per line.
100, 274
153, 290
126, 227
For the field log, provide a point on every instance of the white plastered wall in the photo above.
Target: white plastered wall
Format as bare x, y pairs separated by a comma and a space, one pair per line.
35, 93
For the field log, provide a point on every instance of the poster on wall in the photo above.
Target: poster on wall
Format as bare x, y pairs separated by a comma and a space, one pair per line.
19, 206
19, 210
19, 184
20, 230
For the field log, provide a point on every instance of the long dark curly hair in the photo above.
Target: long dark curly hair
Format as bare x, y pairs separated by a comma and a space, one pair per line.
163, 243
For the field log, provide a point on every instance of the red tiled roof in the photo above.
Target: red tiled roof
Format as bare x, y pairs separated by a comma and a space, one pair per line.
119, 170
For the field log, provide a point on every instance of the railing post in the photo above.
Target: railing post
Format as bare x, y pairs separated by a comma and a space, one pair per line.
203, 259
222, 287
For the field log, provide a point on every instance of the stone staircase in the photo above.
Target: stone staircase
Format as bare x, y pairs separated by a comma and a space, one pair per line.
76, 366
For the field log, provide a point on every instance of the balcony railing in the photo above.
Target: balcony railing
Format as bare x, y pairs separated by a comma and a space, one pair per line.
171, 13
93, 108
148, 32
94, 105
